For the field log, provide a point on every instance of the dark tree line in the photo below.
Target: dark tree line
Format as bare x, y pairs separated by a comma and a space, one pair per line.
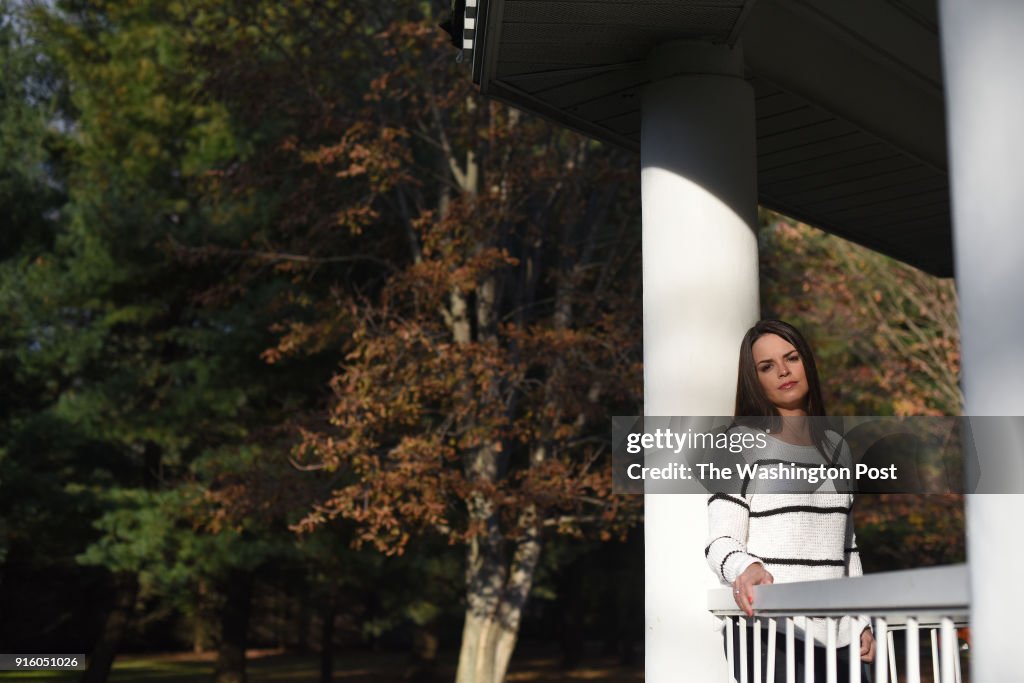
251, 248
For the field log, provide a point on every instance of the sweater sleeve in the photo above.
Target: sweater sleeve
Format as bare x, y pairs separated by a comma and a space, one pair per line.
851, 555
852, 558
726, 550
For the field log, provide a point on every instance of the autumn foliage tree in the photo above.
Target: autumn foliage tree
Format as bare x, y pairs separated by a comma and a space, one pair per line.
887, 340
887, 332
473, 274
320, 172
481, 366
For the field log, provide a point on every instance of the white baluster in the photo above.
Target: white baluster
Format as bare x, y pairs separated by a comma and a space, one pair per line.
881, 650
743, 650
790, 650
892, 659
729, 654
772, 627
808, 652
935, 655
757, 650
855, 629
948, 649
830, 650
956, 662
913, 652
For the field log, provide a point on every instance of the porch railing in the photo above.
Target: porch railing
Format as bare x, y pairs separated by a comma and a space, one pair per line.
926, 604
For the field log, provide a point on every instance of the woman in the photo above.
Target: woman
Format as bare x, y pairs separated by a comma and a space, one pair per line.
759, 537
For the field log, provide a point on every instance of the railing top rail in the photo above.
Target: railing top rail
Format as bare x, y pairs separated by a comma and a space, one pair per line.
931, 590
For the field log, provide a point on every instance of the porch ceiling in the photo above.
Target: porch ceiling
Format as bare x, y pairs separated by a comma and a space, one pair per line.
849, 101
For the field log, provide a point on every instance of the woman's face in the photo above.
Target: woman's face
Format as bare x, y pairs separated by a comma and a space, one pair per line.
781, 372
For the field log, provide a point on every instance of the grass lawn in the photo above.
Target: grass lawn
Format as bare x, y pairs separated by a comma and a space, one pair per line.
267, 666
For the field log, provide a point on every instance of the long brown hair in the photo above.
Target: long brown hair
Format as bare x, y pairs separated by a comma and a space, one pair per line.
752, 405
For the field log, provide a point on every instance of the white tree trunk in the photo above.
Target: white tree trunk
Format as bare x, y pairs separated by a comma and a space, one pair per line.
495, 597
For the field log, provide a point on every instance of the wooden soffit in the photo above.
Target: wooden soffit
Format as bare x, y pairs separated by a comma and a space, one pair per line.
849, 100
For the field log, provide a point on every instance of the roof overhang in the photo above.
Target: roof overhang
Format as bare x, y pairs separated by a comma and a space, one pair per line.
849, 100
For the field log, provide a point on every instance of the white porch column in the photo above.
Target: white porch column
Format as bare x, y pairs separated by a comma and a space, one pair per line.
983, 57
699, 191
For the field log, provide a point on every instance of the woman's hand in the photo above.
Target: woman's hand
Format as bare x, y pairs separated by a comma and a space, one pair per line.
867, 646
743, 587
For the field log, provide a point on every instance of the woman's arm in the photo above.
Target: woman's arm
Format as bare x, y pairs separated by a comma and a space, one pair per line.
851, 556
726, 549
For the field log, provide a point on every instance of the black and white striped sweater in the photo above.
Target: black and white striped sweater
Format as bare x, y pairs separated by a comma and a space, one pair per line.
796, 536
